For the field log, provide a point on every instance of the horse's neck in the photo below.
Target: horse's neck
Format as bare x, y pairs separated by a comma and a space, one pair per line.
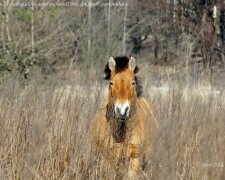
121, 130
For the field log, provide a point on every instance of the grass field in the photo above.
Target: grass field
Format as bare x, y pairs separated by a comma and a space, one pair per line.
43, 133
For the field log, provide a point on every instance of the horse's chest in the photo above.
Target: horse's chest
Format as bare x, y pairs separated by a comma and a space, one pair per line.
131, 147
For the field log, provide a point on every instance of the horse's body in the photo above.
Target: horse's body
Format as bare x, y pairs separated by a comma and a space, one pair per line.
125, 127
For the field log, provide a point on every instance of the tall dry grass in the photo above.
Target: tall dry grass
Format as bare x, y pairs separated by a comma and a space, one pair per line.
43, 133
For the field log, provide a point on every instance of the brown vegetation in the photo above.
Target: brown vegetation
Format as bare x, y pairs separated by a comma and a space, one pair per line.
44, 121
44, 133
54, 40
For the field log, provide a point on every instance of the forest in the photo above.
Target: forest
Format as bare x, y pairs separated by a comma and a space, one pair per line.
52, 59
64, 38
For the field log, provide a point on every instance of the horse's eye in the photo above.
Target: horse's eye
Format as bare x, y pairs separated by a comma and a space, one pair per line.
133, 83
111, 83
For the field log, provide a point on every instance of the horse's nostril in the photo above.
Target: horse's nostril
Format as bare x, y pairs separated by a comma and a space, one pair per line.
118, 110
126, 110
122, 110
122, 113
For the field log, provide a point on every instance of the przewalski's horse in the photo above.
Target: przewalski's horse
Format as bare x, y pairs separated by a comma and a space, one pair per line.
125, 127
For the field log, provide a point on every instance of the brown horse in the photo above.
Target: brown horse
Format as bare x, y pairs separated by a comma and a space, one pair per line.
125, 127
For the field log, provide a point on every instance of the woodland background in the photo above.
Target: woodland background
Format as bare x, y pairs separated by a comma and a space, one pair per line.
52, 59
71, 41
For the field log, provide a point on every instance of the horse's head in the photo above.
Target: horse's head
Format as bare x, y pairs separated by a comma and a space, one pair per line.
124, 87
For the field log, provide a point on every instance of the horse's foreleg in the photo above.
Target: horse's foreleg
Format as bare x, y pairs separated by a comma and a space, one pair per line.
134, 166
134, 162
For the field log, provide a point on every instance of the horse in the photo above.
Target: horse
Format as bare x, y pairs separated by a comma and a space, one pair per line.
124, 130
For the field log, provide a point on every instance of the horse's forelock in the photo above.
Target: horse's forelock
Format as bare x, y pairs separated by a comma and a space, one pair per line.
122, 63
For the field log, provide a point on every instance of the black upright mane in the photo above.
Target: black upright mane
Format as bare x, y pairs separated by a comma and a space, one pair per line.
122, 63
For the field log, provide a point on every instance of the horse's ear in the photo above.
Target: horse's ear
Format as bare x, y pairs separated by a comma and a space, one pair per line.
112, 64
132, 64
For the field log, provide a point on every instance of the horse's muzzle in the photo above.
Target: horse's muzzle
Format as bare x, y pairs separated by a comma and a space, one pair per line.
122, 116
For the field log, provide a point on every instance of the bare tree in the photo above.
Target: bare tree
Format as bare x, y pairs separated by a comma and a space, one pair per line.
124, 27
109, 27
89, 29
7, 8
32, 28
3, 28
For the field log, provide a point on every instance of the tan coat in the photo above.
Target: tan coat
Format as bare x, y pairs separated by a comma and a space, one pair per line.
140, 135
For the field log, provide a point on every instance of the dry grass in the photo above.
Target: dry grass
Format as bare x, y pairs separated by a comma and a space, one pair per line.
44, 133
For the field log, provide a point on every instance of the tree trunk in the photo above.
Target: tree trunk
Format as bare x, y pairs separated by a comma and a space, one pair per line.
2, 30
89, 31
125, 29
182, 15
174, 12
32, 29
216, 15
7, 7
109, 28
